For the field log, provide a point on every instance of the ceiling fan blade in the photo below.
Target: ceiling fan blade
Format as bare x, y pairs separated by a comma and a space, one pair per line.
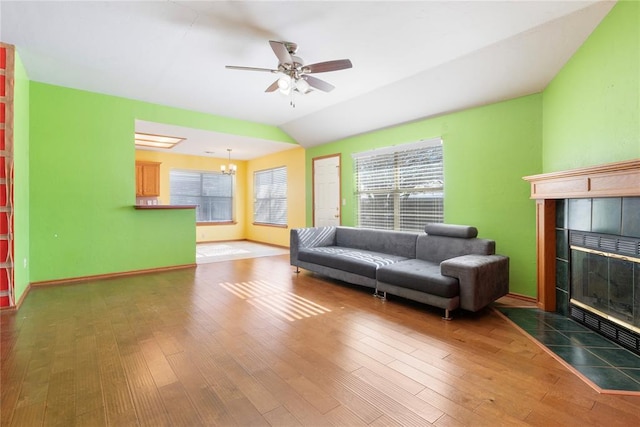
323, 67
284, 57
273, 87
316, 83
236, 67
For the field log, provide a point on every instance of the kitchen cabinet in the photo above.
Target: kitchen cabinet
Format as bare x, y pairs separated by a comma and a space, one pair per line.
147, 179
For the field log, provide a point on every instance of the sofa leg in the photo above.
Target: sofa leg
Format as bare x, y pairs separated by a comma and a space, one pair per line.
447, 315
381, 295
297, 270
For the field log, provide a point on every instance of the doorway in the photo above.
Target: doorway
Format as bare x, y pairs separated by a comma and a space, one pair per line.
326, 191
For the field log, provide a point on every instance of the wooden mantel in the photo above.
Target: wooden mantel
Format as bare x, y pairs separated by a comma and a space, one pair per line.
610, 180
620, 179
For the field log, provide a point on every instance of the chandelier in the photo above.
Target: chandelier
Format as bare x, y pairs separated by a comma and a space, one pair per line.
229, 169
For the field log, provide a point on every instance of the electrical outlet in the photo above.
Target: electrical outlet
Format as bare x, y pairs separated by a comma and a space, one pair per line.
24, 263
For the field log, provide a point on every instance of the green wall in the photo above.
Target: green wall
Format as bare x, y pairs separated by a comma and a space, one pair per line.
21, 177
487, 152
82, 185
591, 110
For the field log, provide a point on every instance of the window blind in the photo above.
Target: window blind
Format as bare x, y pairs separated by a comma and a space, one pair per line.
270, 196
212, 192
400, 187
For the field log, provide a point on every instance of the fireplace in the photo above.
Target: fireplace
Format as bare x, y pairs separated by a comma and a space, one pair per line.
605, 285
588, 247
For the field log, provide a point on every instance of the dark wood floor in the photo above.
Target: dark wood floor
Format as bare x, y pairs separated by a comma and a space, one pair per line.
248, 342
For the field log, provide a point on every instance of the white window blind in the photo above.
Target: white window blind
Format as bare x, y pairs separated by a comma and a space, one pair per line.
270, 196
212, 192
400, 187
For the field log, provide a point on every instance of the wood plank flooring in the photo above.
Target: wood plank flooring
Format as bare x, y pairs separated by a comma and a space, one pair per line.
249, 342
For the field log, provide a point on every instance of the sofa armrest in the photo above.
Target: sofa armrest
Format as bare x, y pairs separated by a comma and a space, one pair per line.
308, 238
483, 278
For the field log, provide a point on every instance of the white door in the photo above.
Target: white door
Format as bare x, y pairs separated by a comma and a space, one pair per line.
326, 191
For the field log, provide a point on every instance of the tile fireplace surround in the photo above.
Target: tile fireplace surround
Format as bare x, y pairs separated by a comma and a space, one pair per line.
593, 194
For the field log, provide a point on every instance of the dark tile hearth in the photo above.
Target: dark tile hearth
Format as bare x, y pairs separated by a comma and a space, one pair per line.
605, 363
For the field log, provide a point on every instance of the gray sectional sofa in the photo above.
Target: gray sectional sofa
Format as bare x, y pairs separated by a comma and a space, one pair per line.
447, 266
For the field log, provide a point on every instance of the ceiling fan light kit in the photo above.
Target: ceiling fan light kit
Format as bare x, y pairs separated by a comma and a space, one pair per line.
294, 73
302, 86
286, 84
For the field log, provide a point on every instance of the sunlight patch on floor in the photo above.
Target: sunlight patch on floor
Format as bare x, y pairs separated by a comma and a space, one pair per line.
274, 300
227, 251
218, 250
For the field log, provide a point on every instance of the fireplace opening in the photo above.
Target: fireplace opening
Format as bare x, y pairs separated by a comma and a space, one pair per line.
605, 285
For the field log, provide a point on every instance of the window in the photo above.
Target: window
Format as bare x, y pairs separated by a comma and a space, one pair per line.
270, 196
400, 187
211, 191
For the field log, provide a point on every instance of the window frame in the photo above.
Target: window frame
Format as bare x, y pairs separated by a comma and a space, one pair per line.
271, 223
390, 184
202, 174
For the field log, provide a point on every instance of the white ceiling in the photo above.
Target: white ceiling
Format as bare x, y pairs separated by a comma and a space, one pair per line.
411, 60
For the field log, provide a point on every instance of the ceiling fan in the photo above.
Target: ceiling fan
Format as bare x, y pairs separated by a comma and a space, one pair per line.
295, 74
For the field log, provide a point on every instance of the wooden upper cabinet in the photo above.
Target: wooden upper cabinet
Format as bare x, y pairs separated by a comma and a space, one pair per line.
147, 179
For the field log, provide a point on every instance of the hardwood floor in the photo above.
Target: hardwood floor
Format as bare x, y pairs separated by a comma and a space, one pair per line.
248, 342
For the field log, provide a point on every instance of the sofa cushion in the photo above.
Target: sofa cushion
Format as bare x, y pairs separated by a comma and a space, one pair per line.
400, 243
421, 276
316, 236
357, 261
451, 230
439, 248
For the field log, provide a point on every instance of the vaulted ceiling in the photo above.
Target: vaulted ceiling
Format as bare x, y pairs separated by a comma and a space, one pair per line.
411, 60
